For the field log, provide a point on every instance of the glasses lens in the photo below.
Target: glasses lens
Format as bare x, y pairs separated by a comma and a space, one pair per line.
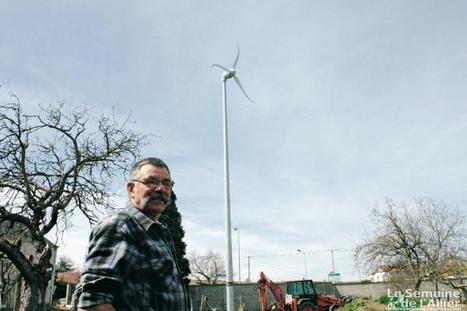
167, 183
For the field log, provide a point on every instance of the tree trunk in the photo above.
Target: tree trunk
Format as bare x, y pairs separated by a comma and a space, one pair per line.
29, 297
418, 284
463, 297
461, 287
32, 298
18, 291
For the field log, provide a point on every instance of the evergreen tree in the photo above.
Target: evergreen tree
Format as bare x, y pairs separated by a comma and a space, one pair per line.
64, 264
172, 218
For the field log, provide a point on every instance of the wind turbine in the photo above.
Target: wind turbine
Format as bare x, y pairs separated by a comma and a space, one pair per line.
228, 74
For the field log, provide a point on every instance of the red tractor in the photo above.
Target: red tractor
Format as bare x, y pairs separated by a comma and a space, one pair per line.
301, 296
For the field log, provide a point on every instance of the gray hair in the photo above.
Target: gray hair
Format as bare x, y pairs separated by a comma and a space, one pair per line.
152, 160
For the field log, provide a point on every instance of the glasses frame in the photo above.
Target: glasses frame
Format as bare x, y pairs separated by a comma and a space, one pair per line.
163, 182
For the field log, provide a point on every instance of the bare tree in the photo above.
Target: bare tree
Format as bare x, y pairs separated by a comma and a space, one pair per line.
452, 272
52, 165
445, 245
421, 240
207, 268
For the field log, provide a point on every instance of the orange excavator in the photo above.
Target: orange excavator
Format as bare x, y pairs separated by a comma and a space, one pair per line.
301, 296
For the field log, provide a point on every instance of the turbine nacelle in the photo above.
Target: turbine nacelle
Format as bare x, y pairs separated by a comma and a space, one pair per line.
229, 74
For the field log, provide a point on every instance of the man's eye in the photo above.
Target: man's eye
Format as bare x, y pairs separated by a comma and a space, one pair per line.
151, 181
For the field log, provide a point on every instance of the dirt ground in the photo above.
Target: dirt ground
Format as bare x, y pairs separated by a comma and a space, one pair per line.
372, 306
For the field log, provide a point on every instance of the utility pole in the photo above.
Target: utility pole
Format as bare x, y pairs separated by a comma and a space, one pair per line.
238, 246
332, 260
306, 269
249, 276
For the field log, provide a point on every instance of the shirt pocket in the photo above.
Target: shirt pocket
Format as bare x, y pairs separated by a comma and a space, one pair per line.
162, 266
152, 270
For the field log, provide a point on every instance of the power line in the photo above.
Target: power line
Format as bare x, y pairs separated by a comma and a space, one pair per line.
306, 252
278, 268
331, 250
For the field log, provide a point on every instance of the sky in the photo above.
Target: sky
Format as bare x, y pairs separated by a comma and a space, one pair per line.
355, 102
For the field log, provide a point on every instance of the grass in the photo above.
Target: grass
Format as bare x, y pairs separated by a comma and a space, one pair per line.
354, 305
402, 303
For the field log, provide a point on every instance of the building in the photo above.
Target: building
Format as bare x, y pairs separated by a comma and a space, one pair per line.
11, 280
70, 279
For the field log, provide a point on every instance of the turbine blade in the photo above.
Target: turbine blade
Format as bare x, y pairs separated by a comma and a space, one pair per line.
241, 88
238, 55
221, 67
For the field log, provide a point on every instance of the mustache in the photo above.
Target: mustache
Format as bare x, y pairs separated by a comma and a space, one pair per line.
156, 196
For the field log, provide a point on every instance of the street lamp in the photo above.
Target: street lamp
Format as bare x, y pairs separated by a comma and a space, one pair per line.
306, 269
238, 245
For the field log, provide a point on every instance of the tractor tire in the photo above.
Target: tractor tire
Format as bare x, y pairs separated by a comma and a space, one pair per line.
306, 306
333, 307
346, 299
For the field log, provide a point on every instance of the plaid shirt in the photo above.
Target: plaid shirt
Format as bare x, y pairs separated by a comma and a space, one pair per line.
131, 264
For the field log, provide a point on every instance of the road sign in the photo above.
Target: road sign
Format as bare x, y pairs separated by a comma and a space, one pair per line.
334, 276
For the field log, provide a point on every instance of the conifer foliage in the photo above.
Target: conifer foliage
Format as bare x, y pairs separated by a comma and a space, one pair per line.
173, 219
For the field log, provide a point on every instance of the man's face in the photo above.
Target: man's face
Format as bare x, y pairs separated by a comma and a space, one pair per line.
148, 192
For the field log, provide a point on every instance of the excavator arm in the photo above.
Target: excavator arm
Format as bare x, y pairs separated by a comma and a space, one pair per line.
265, 283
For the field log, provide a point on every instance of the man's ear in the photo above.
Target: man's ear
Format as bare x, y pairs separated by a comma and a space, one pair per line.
129, 187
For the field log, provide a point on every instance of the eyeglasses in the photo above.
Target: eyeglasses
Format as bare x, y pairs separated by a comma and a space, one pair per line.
153, 182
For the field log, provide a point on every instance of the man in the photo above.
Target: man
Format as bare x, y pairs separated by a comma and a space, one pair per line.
130, 264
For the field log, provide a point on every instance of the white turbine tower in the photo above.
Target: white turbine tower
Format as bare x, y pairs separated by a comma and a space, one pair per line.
228, 74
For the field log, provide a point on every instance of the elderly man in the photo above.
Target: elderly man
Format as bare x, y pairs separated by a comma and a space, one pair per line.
131, 262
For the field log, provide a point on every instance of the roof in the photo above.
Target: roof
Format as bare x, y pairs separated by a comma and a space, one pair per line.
71, 278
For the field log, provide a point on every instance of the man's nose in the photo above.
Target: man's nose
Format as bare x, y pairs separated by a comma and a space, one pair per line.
159, 186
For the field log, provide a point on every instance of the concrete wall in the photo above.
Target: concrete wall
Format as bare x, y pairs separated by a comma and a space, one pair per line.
359, 289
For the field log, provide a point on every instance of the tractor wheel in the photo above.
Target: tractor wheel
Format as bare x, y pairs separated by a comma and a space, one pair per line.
346, 299
333, 307
306, 306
